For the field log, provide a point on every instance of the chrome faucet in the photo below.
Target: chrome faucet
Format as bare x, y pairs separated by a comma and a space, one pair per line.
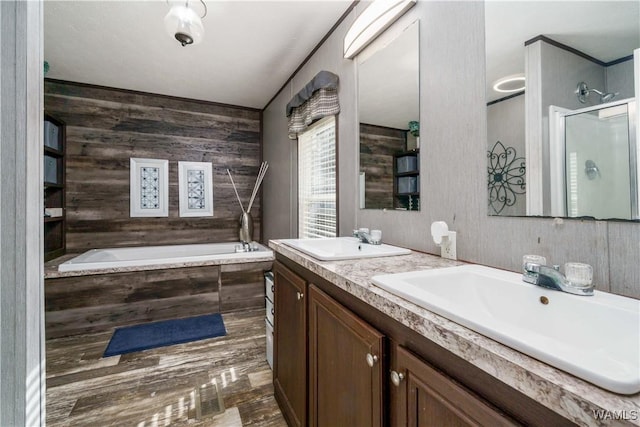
551, 278
365, 237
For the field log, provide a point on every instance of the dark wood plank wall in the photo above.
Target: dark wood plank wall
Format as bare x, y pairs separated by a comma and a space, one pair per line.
106, 127
242, 285
377, 146
87, 304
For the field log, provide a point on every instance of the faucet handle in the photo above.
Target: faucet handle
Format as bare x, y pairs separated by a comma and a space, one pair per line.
578, 274
532, 259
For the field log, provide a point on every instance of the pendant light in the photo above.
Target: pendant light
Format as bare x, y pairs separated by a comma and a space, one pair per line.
185, 24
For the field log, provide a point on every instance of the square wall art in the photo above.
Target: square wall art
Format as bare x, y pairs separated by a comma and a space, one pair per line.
196, 194
149, 187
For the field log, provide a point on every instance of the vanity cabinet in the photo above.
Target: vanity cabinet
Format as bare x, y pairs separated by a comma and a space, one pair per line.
332, 373
290, 345
336, 358
346, 359
421, 396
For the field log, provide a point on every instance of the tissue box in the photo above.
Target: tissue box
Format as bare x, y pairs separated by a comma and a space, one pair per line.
408, 184
406, 164
53, 212
51, 135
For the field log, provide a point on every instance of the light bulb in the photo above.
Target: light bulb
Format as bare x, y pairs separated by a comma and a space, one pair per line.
184, 24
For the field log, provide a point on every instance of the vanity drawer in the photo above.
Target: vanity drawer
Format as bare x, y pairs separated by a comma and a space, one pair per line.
268, 286
270, 310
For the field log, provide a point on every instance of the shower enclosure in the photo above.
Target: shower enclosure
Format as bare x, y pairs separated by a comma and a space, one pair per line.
594, 161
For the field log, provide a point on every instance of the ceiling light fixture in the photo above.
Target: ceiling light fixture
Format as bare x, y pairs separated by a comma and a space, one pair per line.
371, 22
184, 23
510, 84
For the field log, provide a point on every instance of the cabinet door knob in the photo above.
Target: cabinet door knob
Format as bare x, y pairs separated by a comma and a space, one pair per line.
396, 378
372, 359
299, 295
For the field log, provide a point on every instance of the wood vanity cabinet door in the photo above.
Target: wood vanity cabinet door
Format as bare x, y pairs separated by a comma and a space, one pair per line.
344, 390
290, 345
426, 397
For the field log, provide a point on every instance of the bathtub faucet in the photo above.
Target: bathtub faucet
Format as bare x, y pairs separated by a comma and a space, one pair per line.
247, 247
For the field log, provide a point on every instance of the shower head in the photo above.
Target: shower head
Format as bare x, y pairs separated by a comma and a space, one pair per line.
583, 92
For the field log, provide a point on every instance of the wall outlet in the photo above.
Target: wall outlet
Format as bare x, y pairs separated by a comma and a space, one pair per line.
448, 247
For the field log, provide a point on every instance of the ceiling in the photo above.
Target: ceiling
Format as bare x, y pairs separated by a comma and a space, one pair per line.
605, 30
249, 50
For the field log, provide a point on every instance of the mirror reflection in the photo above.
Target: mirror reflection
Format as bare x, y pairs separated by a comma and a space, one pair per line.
388, 111
567, 144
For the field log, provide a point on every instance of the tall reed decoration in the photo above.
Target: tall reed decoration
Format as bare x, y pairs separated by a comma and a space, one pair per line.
245, 232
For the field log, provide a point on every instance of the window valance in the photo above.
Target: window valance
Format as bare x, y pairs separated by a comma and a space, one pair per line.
318, 99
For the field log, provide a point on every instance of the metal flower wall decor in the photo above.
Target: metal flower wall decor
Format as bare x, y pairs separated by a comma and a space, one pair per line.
506, 176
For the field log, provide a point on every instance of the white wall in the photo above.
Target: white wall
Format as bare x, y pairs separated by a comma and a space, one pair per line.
22, 382
453, 161
620, 79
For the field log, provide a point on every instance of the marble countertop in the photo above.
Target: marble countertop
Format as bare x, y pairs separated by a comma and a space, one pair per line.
51, 267
573, 398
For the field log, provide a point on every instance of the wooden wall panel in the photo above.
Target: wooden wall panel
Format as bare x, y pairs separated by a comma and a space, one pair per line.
84, 304
242, 286
377, 146
106, 127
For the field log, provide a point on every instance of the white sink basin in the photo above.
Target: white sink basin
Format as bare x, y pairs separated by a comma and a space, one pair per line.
338, 248
596, 338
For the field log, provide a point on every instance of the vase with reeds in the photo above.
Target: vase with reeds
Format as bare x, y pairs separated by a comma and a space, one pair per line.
245, 224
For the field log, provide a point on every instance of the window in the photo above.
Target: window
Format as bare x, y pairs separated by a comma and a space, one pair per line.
317, 180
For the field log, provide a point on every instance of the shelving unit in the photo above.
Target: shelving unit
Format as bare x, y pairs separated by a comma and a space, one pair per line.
54, 188
406, 180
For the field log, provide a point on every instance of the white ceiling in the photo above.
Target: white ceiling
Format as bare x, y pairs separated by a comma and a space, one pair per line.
249, 50
605, 30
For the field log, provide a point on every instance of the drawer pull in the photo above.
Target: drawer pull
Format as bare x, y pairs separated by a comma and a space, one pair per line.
372, 359
396, 378
299, 295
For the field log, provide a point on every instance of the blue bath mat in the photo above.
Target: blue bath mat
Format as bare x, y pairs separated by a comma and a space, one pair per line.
164, 333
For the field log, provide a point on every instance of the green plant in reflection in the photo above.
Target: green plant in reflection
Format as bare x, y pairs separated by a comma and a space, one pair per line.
414, 128
505, 176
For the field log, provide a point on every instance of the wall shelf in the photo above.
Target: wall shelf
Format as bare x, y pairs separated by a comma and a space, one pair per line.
406, 180
54, 187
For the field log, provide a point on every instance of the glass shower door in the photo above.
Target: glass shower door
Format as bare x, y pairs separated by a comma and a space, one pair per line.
600, 163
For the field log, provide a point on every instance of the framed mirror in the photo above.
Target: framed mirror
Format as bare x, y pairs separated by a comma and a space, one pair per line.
562, 131
389, 114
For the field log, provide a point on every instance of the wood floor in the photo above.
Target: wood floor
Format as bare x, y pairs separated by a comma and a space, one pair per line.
173, 385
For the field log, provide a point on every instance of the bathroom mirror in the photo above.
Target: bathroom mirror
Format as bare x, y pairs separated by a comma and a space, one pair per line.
575, 150
388, 111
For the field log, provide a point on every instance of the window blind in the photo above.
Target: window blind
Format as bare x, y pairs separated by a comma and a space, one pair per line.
317, 180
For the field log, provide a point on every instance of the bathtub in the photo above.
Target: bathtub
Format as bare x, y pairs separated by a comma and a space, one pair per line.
98, 259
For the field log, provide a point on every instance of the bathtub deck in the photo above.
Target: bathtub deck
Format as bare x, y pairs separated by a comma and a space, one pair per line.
154, 387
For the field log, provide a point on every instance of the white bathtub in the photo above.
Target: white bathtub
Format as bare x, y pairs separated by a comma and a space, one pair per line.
97, 259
